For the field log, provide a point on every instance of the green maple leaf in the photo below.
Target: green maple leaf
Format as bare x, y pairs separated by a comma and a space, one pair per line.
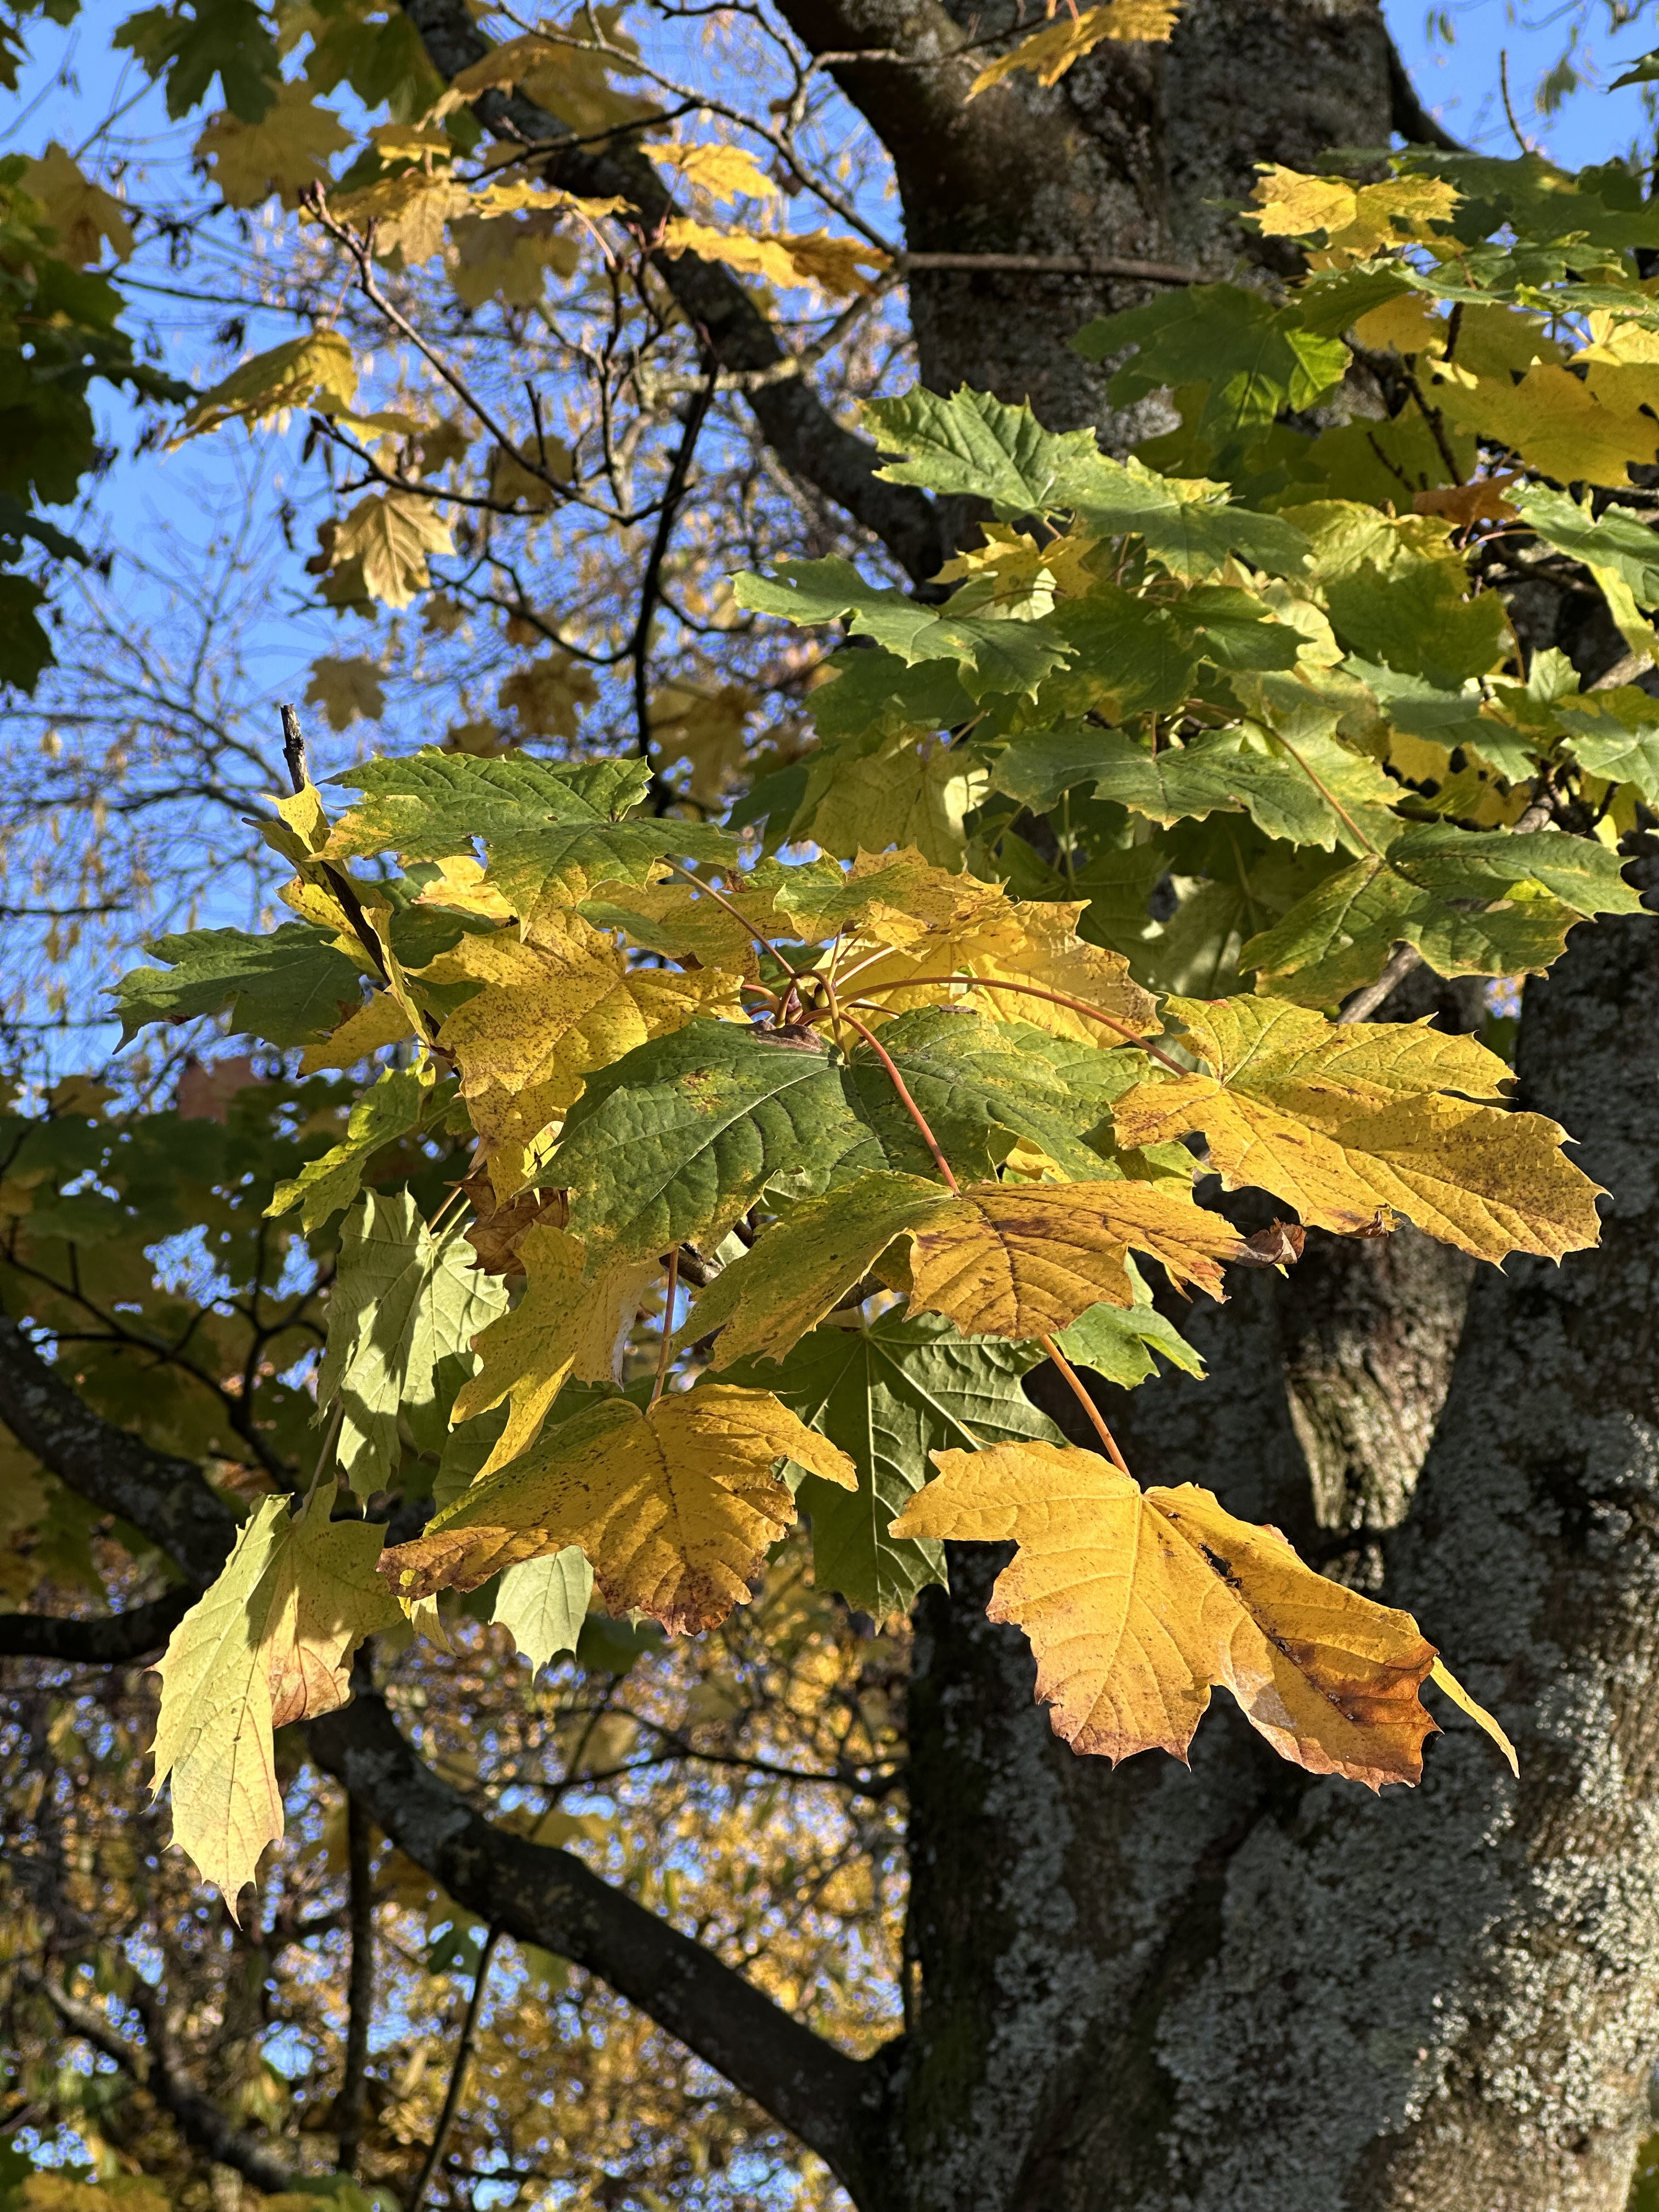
401, 1315
542, 1604
429, 805
981, 1083
682, 1136
1473, 903
976, 446
1119, 1341
993, 656
888, 1393
226, 39
1222, 771
1254, 360
1618, 538
393, 1105
286, 986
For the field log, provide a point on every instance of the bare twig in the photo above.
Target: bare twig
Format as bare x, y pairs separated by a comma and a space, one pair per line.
456, 2074
360, 1990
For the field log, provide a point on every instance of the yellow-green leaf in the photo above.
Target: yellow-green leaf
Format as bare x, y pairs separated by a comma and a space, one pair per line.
675, 1507
1345, 1122
269, 1643
1138, 1604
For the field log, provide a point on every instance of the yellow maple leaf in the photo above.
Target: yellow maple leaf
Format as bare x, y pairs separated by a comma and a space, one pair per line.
1023, 1259
269, 1643
1138, 1604
508, 256
1559, 425
522, 479
725, 173
547, 695
407, 212
913, 790
84, 216
833, 264
345, 689
571, 81
317, 371
461, 883
285, 152
553, 1007
897, 957
675, 1508
705, 728
1356, 220
391, 535
1343, 1120
1049, 53
572, 1321
382, 1022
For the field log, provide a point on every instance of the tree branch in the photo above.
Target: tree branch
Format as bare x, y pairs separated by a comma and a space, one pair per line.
166, 1498
200, 2121
536, 1894
541, 1895
111, 1642
1408, 116
800, 428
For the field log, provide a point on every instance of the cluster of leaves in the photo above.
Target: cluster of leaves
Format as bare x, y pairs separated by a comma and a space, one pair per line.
183, 1310
904, 1126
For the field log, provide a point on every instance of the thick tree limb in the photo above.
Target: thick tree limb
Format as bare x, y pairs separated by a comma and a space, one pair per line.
111, 1642
200, 2121
548, 1897
166, 1498
1408, 116
800, 428
535, 1893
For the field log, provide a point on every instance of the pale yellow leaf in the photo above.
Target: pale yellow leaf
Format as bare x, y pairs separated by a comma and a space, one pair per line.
85, 216
705, 728
1138, 1604
315, 372
1049, 53
269, 1643
725, 173
391, 535
675, 1508
1559, 425
1342, 1121
382, 1022
285, 152
407, 213
549, 695
551, 1009
834, 266
572, 1321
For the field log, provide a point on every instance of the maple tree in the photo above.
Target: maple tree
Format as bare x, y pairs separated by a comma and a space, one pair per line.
683, 1180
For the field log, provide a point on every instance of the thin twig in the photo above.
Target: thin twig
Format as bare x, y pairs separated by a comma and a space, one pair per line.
650, 587
1363, 1003
360, 1989
667, 1323
1055, 264
457, 2075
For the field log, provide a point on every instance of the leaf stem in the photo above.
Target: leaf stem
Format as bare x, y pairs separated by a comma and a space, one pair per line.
667, 1323
1032, 991
737, 915
903, 1088
1087, 1403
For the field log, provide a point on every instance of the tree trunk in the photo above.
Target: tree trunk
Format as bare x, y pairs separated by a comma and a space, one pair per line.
1236, 1989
